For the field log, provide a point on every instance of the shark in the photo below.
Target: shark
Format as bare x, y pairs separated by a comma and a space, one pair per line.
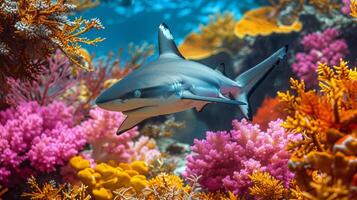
173, 84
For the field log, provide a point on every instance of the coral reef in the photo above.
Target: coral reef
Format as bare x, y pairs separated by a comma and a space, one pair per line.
55, 78
43, 136
31, 30
261, 21
270, 110
324, 162
52, 191
225, 159
216, 36
105, 178
100, 130
167, 186
145, 149
264, 186
325, 47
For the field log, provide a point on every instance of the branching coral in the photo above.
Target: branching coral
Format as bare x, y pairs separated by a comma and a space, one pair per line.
145, 149
165, 186
32, 29
327, 121
266, 187
270, 110
325, 47
100, 131
218, 196
55, 78
51, 191
225, 159
43, 136
215, 36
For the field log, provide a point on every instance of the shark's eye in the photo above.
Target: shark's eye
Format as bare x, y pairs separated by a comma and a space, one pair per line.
137, 93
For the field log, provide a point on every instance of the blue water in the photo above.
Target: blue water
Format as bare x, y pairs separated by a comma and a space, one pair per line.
138, 22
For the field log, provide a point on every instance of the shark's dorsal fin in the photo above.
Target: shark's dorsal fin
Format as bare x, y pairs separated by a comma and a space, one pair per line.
221, 69
167, 46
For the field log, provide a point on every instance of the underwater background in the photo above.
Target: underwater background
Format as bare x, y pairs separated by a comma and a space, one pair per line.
58, 56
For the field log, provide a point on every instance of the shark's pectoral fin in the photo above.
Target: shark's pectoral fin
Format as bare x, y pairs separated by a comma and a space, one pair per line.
129, 122
201, 106
189, 95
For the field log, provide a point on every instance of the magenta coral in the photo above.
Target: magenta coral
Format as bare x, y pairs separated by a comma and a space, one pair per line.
100, 131
325, 47
225, 159
43, 136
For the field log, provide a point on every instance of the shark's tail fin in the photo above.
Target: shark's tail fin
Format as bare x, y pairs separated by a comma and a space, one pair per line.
250, 79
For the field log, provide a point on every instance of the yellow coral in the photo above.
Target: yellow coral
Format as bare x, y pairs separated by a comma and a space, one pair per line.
262, 22
266, 187
78, 163
218, 196
353, 7
165, 186
215, 37
105, 178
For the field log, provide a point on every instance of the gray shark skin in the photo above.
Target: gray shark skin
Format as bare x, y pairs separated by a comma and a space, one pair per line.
172, 84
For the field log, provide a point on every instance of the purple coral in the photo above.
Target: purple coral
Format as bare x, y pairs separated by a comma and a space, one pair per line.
43, 136
325, 47
55, 78
100, 131
225, 159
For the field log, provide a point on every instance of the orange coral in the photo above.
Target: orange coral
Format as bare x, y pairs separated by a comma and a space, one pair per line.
51, 191
266, 187
328, 122
33, 29
218, 196
262, 21
270, 110
216, 36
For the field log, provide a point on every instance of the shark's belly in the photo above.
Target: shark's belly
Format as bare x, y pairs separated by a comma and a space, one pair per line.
163, 106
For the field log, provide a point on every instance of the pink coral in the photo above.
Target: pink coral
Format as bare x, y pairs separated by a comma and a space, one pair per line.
43, 136
325, 47
146, 150
225, 159
100, 131
346, 8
